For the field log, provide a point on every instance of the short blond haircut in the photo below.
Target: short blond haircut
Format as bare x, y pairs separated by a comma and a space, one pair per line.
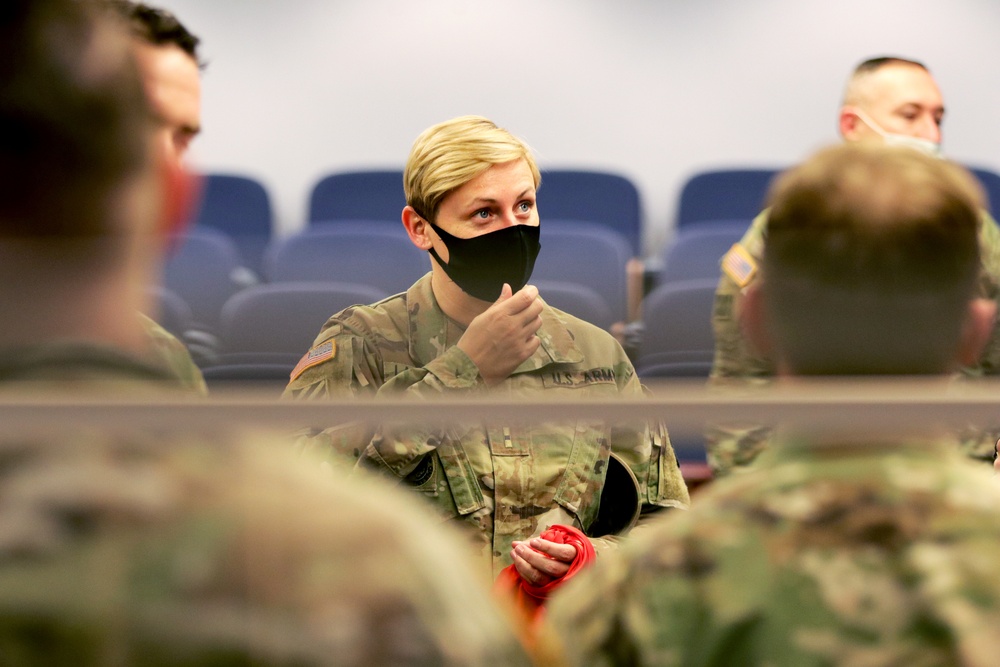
448, 155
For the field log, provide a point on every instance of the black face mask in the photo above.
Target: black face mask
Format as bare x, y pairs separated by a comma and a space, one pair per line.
482, 264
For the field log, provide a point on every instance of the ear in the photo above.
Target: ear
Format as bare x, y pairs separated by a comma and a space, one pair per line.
848, 124
753, 320
416, 228
979, 323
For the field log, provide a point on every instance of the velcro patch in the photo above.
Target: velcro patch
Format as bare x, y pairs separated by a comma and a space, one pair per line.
739, 265
317, 355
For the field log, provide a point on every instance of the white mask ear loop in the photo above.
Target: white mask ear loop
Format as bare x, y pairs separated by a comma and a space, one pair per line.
927, 146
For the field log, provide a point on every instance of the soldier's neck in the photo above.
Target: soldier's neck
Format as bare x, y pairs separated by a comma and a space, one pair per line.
454, 302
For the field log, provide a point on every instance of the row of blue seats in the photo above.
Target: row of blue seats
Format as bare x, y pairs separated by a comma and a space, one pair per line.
264, 330
582, 269
206, 270
240, 205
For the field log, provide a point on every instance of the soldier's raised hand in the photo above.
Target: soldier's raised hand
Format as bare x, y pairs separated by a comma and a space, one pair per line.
503, 336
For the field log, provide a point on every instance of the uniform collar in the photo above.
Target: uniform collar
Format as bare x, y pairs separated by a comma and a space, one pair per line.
431, 332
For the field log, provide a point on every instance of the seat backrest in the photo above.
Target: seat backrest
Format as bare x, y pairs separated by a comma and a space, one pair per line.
577, 300
723, 194
368, 253
677, 328
586, 254
990, 181
605, 198
375, 194
284, 318
239, 206
695, 252
205, 270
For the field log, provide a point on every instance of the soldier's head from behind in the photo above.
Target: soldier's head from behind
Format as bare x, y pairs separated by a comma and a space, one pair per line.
468, 178
870, 266
168, 58
76, 169
894, 100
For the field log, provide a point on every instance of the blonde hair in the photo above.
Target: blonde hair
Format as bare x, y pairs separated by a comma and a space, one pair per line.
448, 155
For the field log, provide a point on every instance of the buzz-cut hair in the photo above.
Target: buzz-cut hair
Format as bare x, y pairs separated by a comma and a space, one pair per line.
870, 66
877, 63
448, 155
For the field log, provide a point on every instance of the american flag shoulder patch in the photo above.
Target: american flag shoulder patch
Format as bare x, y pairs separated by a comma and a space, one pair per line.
317, 355
739, 265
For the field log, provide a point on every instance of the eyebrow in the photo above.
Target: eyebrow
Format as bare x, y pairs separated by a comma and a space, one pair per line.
490, 200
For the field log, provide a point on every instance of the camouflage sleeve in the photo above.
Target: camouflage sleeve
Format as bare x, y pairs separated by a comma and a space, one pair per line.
336, 367
989, 288
736, 367
171, 354
978, 441
733, 357
613, 613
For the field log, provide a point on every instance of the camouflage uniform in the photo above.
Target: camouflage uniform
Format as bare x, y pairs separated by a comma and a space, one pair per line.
170, 353
840, 555
737, 369
128, 548
75, 367
507, 481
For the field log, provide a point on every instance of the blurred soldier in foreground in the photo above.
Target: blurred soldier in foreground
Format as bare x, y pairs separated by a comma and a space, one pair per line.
140, 548
890, 101
186, 551
836, 548
167, 55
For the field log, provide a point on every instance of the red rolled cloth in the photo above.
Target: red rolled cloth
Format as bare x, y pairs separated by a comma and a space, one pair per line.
530, 599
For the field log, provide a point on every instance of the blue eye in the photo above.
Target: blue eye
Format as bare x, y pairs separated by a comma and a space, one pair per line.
525, 206
482, 214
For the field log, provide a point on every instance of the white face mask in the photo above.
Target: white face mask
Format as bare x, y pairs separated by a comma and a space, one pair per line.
927, 146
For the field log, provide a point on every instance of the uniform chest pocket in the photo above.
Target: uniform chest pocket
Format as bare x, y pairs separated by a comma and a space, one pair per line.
447, 477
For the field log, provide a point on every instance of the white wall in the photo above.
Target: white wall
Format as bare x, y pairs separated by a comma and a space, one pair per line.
655, 89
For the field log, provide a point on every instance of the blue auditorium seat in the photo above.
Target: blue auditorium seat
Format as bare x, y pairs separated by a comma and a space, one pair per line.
375, 194
601, 197
990, 181
577, 300
587, 254
240, 207
205, 269
723, 194
677, 330
369, 253
265, 330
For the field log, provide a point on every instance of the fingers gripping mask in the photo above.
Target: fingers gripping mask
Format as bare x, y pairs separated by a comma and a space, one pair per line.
482, 264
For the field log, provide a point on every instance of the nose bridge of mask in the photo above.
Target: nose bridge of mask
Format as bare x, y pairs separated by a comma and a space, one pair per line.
927, 146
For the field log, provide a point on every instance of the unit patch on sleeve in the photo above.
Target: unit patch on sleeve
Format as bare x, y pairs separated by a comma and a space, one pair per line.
317, 355
739, 265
